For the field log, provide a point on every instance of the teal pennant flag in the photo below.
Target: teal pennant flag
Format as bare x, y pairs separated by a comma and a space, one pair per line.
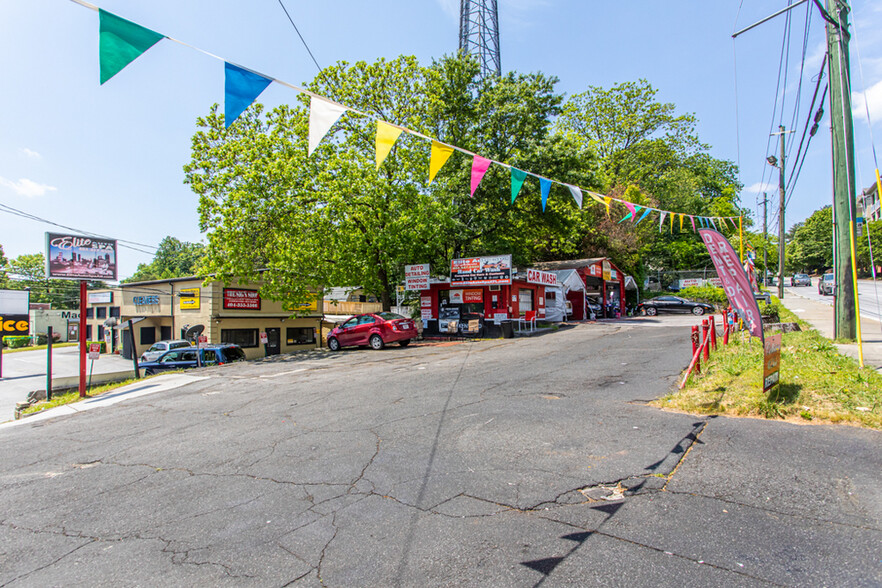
241, 88
545, 188
517, 180
120, 42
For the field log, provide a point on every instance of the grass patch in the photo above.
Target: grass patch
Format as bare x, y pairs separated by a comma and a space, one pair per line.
59, 399
37, 347
817, 383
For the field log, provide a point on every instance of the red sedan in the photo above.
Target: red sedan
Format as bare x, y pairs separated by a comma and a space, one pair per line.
374, 329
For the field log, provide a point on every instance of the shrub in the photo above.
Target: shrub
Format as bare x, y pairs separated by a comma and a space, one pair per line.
770, 312
42, 338
17, 342
709, 294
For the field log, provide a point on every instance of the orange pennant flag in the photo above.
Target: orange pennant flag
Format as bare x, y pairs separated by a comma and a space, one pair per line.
386, 137
440, 154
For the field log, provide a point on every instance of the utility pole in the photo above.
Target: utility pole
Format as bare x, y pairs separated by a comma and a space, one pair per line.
782, 227
842, 129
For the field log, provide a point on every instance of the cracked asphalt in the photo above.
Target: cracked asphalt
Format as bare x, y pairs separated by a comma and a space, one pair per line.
520, 462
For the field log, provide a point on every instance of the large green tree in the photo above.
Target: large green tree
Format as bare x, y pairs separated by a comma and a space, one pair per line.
173, 259
28, 272
653, 154
295, 222
811, 248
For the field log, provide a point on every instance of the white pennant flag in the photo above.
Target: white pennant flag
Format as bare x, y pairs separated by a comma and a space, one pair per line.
322, 116
577, 194
661, 220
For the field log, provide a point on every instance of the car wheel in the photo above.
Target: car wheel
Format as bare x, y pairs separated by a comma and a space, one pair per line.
333, 344
404, 343
376, 342
697, 310
650, 310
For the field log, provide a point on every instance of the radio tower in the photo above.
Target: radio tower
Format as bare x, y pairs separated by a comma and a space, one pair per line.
479, 34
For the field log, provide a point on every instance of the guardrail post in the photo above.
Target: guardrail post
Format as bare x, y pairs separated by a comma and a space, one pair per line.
713, 331
704, 337
695, 347
725, 330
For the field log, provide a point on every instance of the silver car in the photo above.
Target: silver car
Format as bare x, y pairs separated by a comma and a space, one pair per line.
827, 285
800, 280
161, 347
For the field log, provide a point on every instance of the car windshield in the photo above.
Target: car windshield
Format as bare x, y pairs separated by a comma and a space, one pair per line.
234, 354
178, 345
157, 347
828, 277
389, 316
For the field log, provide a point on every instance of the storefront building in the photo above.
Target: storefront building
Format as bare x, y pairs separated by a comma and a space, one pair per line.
481, 294
604, 282
167, 309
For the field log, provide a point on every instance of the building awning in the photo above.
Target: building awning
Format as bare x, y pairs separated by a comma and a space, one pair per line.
630, 283
125, 324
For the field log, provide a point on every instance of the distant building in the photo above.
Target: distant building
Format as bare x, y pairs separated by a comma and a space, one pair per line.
871, 204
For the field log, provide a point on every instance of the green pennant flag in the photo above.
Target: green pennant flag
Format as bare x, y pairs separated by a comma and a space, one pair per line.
120, 42
517, 180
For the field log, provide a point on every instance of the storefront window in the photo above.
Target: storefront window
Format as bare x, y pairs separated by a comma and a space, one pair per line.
241, 337
300, 336
525, 300
101, 312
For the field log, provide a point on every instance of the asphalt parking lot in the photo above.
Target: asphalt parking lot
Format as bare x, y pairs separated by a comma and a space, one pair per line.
518, 462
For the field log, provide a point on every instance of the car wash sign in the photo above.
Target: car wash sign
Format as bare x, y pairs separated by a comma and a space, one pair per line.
543, 278
14, 312
481, 271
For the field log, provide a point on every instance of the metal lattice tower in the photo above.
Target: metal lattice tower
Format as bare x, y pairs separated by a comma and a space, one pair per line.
479, 33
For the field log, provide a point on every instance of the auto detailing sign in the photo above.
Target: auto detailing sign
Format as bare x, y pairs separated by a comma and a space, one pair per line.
539, 277
734, 280
236, 299
481, 271
14, 319
416, 277
77, 257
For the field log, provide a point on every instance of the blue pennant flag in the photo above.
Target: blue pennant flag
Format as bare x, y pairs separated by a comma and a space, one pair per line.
643, 216
241, 88
545, 187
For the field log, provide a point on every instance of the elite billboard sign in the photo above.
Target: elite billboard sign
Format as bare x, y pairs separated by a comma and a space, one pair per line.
481, 271
78, 257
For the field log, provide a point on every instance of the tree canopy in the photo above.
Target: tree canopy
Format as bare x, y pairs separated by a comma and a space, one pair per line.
333, 219
173, 259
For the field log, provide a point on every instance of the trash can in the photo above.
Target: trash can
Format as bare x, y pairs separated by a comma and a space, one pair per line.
507, 329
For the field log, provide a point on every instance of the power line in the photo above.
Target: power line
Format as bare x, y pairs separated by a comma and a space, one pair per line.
308, 50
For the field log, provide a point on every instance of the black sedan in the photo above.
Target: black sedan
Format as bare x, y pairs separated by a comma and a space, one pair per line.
653, 306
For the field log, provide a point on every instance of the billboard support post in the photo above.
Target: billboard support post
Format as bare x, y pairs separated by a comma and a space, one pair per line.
134, 350
82, 338
49, 336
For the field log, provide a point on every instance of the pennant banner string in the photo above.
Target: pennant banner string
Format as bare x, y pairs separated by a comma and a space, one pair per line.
479, 161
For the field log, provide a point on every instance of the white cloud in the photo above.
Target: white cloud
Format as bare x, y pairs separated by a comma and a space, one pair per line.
26, 187
759, 188
451, 7
873, 104
30, 153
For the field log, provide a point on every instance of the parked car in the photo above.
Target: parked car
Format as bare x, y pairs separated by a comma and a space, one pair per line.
827, 285
653, 306
374, 329
800, 280
160, 347
186, 358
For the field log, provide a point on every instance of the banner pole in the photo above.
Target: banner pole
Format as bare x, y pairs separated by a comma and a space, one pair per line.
741, 237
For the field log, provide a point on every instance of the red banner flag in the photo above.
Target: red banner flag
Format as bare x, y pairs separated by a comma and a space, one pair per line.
735, 281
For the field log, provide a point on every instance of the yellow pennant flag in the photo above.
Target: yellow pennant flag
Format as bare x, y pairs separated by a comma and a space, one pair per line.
681, 222
606, 201
672, 221
386, 137
440, 154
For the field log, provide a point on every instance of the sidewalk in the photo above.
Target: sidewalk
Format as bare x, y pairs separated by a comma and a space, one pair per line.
820, 316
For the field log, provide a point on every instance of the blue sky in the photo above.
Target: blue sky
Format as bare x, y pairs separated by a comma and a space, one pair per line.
108, 159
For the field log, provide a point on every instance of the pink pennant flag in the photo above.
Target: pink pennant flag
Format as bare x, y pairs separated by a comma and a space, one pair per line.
692, 218
480, 165
630, 207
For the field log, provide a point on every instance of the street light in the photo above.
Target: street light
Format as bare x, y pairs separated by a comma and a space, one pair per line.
773, 161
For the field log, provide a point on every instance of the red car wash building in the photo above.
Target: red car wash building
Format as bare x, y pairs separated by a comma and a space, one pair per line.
604, 282
481, 295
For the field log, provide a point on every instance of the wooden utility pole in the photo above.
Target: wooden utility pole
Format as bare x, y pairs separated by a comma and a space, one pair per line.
782, 226
842, 130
